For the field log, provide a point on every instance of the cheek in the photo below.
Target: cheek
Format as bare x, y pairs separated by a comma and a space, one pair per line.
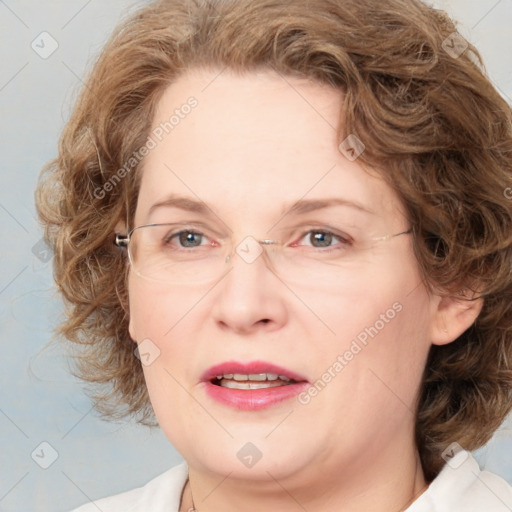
157, 314
153, 313
368, 380
154, 309
369, 301
380, 322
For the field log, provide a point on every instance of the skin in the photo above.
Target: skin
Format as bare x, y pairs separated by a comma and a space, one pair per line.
253, 146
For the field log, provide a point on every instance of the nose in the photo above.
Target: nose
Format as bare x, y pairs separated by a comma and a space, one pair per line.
250, 297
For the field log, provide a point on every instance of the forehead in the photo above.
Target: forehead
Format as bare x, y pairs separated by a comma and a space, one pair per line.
253, 142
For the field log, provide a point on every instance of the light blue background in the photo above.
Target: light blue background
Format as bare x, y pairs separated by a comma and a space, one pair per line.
39, 400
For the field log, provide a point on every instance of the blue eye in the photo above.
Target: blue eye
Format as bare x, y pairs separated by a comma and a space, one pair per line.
323, 239
186, 239
190, 239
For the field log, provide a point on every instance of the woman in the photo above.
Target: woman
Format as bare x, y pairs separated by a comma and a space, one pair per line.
283, 227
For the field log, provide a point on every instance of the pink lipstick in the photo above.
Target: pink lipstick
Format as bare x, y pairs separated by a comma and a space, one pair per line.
251, 386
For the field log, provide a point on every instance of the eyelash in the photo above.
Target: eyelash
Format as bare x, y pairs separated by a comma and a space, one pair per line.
344, 240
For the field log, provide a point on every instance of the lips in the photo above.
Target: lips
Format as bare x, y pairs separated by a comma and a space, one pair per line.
251, 386
251, 368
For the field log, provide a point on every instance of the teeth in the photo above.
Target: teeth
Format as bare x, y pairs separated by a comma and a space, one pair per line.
253, 377
233, 384
252, 381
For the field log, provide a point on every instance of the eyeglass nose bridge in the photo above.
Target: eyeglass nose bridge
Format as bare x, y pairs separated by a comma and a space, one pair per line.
249, 249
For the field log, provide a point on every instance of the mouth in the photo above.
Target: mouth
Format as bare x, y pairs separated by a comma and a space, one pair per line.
251, 381
251, 386
257, 374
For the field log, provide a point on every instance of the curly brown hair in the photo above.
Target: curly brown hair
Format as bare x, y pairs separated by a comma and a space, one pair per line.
430, 119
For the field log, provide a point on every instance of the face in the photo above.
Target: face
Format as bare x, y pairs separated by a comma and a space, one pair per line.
356, 340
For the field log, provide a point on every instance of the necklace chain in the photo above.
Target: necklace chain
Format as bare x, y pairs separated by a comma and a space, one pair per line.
193, 509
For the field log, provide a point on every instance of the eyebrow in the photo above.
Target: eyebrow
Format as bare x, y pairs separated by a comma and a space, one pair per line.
308, 205
184, 203
299, 207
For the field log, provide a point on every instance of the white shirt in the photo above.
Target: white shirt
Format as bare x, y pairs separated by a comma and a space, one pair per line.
459, 487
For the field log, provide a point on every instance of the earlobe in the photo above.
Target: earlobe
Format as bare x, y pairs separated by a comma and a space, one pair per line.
131, 330
454, 315
120, 227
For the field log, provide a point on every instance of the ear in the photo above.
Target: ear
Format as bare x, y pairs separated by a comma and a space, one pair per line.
453, 315
131, 330
120, 227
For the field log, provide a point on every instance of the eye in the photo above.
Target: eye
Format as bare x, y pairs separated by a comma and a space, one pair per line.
323, 239
186, 238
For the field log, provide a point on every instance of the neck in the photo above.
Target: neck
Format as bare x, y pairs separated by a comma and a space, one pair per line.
331, 491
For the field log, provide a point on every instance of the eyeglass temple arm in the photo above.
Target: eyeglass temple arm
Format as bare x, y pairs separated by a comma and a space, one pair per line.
387, 237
